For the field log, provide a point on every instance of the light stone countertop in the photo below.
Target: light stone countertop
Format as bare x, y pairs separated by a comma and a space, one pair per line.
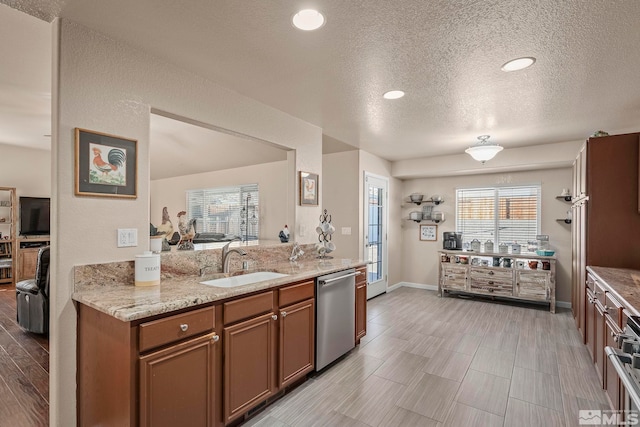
624, 283
126, 302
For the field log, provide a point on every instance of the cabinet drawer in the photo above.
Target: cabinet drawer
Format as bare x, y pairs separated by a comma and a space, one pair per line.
170, 329
454, 271
533, 290
613, 307
295, 293
244, 308
599, 293
362, 277
492, 287
491, 274
459, 284
591, 282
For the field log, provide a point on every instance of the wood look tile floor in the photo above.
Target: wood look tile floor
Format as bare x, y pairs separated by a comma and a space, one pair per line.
24, 369
439, 362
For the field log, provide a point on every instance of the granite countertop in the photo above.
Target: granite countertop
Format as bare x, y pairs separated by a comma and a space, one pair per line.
623, 283
127, 302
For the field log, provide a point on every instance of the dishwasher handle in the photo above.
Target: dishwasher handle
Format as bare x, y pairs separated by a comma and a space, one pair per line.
328, 281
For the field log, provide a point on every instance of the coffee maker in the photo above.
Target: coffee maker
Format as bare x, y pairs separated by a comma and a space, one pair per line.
452, 240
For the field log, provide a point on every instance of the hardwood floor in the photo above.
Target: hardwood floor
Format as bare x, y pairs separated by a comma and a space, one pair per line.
24, 370
429, 361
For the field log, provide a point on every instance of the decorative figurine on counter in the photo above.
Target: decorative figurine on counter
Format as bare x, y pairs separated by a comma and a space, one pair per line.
284, 234
187, 229
165, 229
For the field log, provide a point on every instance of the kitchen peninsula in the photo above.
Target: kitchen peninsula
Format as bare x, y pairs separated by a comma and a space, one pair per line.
184, 353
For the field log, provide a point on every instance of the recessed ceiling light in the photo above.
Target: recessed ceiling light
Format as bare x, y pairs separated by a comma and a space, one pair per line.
308, 20
518, 64
393, 94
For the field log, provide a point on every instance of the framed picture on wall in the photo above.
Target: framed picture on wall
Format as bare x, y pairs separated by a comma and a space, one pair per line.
428, 232
308, 189
105, 165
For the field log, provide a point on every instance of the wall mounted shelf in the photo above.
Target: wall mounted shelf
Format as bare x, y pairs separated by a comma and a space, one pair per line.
564, 198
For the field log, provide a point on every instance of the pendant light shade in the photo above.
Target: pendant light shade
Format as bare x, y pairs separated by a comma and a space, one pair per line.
483, 151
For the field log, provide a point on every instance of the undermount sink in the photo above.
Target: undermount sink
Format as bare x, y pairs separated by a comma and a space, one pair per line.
245, 279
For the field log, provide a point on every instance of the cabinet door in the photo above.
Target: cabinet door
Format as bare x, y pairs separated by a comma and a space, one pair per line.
297, 341
598, 345
249, 364
589, 320
361, 310
176, 384
612, 381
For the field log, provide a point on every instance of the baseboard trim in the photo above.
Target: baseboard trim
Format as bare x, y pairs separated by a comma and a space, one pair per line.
561, 304
412, 285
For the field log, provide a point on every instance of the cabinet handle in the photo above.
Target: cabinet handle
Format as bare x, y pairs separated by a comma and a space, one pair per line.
274, 317
596, 292
491, 273
184, 327
284, 313
215, 338
491, 282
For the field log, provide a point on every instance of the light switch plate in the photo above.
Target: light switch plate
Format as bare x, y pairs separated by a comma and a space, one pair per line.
127, 237
346, 231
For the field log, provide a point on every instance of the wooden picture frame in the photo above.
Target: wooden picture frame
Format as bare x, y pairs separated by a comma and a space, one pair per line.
309, 188
105, 165
428, 232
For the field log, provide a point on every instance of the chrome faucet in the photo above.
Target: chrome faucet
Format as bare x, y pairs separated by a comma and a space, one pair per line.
226, 252
296, 252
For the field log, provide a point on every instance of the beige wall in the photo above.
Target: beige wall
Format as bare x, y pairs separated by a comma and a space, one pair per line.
420, 261
26, 169
270, 177
107, 86
340, 196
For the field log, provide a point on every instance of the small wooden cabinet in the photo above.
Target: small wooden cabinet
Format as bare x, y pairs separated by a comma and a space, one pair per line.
361, 304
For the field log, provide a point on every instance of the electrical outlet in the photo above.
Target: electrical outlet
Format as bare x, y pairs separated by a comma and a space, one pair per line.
303, 230
127, 237
346, 231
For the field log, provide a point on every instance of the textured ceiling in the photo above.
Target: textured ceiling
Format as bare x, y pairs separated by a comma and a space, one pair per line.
446, 55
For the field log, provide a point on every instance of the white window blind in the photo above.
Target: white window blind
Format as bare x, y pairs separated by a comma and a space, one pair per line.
227, 210
501, 214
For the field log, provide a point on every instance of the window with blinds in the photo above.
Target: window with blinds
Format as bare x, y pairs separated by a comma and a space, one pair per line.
227, 210
500, 214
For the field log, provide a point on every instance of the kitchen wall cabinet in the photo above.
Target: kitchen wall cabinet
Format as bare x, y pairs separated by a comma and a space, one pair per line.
177, 384
518, 281
361, 304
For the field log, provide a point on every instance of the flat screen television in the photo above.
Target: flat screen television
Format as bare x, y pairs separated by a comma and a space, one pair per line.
35, 216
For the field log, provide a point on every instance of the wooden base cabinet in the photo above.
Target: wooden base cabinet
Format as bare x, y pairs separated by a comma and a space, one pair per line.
177, 385
297, 341
361, 304
612, 381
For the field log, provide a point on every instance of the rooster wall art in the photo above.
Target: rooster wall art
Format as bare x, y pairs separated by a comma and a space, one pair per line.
108, 165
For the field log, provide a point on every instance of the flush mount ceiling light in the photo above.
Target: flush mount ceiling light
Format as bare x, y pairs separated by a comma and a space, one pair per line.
308, 20
393, 94
518, 64
483, 151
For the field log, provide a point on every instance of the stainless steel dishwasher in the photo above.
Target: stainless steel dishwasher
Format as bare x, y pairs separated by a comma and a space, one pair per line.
335, 316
